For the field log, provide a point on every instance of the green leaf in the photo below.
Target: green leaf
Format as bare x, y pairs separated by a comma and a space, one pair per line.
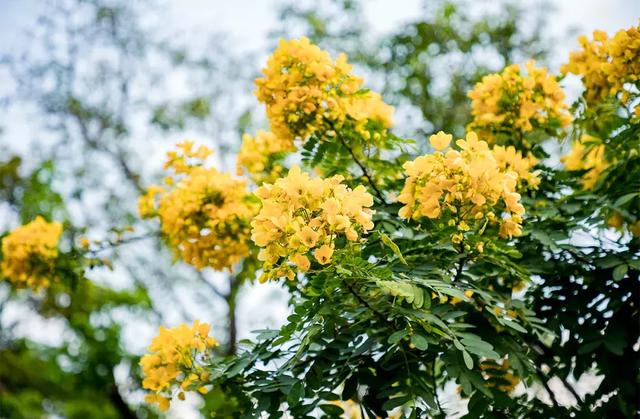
619, 272
477, 346
397, 336
615, 346
625, 198
343, 271
350, 387
266, 334
418, 296
513, 325
395, 402
419, 341
331, 409
327, 395
589, 347
398, 289
394, 247
468, 361
296, 393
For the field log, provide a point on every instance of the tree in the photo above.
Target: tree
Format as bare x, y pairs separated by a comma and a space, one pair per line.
476, 263
393, 298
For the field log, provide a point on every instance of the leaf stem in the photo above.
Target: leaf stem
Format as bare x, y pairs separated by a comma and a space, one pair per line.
365, 172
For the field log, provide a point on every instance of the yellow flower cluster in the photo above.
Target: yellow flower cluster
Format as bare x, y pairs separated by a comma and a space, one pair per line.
513, 103
467, 187
587, 154
260, 156
510, 159
302, 215
175, 361
617, 221
499, 375
306, 92
606, 64
353, 410
204, 214
29, 253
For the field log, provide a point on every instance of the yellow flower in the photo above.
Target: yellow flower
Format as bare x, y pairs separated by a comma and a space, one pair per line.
163, 402
308, 237
509, 158
260, 156
499, 375
511, 103
29, 253
467, 187
301, 215
635, 228
323, 254
307, 92
204, 214
587, 154
615, 220
84, 242
176, 360
607, 65
511, 227
440, 141
302, 262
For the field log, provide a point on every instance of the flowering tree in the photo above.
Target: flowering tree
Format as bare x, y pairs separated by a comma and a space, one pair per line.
480, 263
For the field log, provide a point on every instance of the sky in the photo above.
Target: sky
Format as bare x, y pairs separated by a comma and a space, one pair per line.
248, 24
249, 21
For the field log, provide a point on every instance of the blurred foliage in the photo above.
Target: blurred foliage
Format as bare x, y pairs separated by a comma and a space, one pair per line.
75, 379
96, 75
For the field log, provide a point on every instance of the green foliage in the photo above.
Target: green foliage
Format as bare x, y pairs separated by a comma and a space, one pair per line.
76, 379
167, 117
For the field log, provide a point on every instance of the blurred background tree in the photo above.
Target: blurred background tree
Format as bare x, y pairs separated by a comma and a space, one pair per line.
105, 90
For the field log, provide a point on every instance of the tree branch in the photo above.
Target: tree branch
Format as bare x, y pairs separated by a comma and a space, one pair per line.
364, 170
123, 409
111, 244
433, 382
209, 285
543, 380
365, 303
232, 322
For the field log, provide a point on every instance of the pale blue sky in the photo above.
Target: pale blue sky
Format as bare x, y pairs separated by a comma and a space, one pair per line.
248, 21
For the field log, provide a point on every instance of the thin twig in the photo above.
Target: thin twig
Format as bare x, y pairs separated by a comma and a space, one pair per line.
111, 244
461, 263
365, 172
459, 269
546, 386
572, 390
209, 285
364, 302
433, 381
